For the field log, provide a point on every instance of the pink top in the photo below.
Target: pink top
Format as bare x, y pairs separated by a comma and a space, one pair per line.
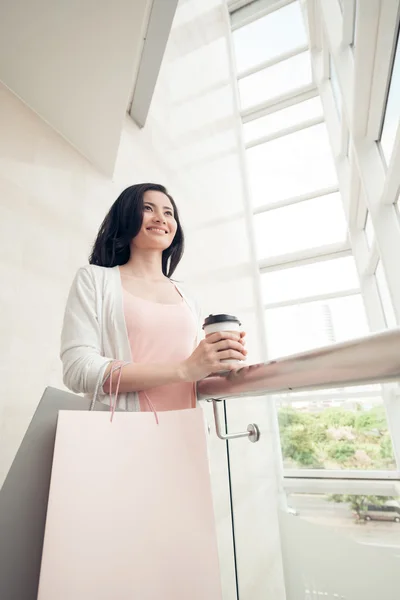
161, 333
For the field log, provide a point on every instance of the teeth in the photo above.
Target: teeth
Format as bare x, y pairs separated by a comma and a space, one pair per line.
156, 229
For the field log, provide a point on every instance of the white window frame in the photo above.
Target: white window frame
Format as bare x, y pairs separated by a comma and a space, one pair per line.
364, 81
277, 100
358, 162
340, 485
244, 12
349, 23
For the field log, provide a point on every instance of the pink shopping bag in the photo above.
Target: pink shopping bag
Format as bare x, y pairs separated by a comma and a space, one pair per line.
130, 513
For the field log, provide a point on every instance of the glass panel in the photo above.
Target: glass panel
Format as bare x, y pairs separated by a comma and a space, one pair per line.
281, 119
344, 512
392, 113
335, 87
304, 225
346, 433
329, 555
325, 277
302, 327
291, 165
270, 36
329, 395
384, 294
282, 78
369, 230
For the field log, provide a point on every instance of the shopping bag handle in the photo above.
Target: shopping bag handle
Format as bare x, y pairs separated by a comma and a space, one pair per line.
101, 380
116, 366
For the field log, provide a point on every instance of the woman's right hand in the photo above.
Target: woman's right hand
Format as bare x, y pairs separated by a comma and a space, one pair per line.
206, 359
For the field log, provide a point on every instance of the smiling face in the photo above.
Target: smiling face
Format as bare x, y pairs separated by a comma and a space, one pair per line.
159, 225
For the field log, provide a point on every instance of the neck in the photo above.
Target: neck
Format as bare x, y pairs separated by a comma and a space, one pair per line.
146, 264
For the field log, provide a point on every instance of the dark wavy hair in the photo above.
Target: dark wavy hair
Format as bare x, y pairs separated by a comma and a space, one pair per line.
123, 222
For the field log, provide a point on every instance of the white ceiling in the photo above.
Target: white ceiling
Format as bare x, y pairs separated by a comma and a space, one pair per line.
74, 63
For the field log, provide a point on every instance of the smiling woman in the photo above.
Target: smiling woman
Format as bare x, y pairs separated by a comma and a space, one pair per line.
126, 221
125, 313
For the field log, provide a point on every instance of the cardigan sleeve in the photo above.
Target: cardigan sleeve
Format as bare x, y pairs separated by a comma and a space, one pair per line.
83, 364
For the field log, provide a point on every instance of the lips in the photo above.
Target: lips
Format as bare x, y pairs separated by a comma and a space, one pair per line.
157, 229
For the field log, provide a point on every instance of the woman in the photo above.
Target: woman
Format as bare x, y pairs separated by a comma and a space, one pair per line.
124, 307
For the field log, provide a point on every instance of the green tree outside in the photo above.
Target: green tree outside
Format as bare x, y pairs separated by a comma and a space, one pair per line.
336, 438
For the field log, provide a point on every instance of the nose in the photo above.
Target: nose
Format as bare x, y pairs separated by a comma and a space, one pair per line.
159, 217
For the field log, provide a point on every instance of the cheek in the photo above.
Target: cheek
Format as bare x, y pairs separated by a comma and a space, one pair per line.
146, 220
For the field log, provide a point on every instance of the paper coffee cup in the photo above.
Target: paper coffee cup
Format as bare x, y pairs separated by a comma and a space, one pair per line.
216, 323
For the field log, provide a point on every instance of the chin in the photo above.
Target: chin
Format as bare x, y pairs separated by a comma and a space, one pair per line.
161, 247
146, 242
152, 245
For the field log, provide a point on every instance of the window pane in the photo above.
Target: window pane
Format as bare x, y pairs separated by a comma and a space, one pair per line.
270, 36
281, 119
274, 81
307, 224
343, 513
369, 231
290, 166
384, 294
325, 277
302, 327
392, 113
347, 433
329, 396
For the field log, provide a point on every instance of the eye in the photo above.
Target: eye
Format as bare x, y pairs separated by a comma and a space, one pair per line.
147, 207
169, 213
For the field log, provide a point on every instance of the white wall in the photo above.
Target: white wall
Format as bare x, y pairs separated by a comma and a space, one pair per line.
51, 204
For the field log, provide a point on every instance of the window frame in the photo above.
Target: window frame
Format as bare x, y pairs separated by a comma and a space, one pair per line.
334, 34
394, 62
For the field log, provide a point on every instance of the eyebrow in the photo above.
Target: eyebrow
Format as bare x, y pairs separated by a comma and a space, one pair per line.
165, 207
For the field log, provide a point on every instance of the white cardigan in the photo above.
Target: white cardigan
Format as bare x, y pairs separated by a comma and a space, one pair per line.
94, 332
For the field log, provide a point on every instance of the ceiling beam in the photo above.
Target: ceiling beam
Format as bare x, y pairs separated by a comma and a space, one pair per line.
155, 42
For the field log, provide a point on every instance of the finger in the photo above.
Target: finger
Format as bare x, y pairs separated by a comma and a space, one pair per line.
230, 354
229, 345
222, 335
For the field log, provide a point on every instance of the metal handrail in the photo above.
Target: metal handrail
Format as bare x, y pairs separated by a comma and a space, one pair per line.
372, 359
